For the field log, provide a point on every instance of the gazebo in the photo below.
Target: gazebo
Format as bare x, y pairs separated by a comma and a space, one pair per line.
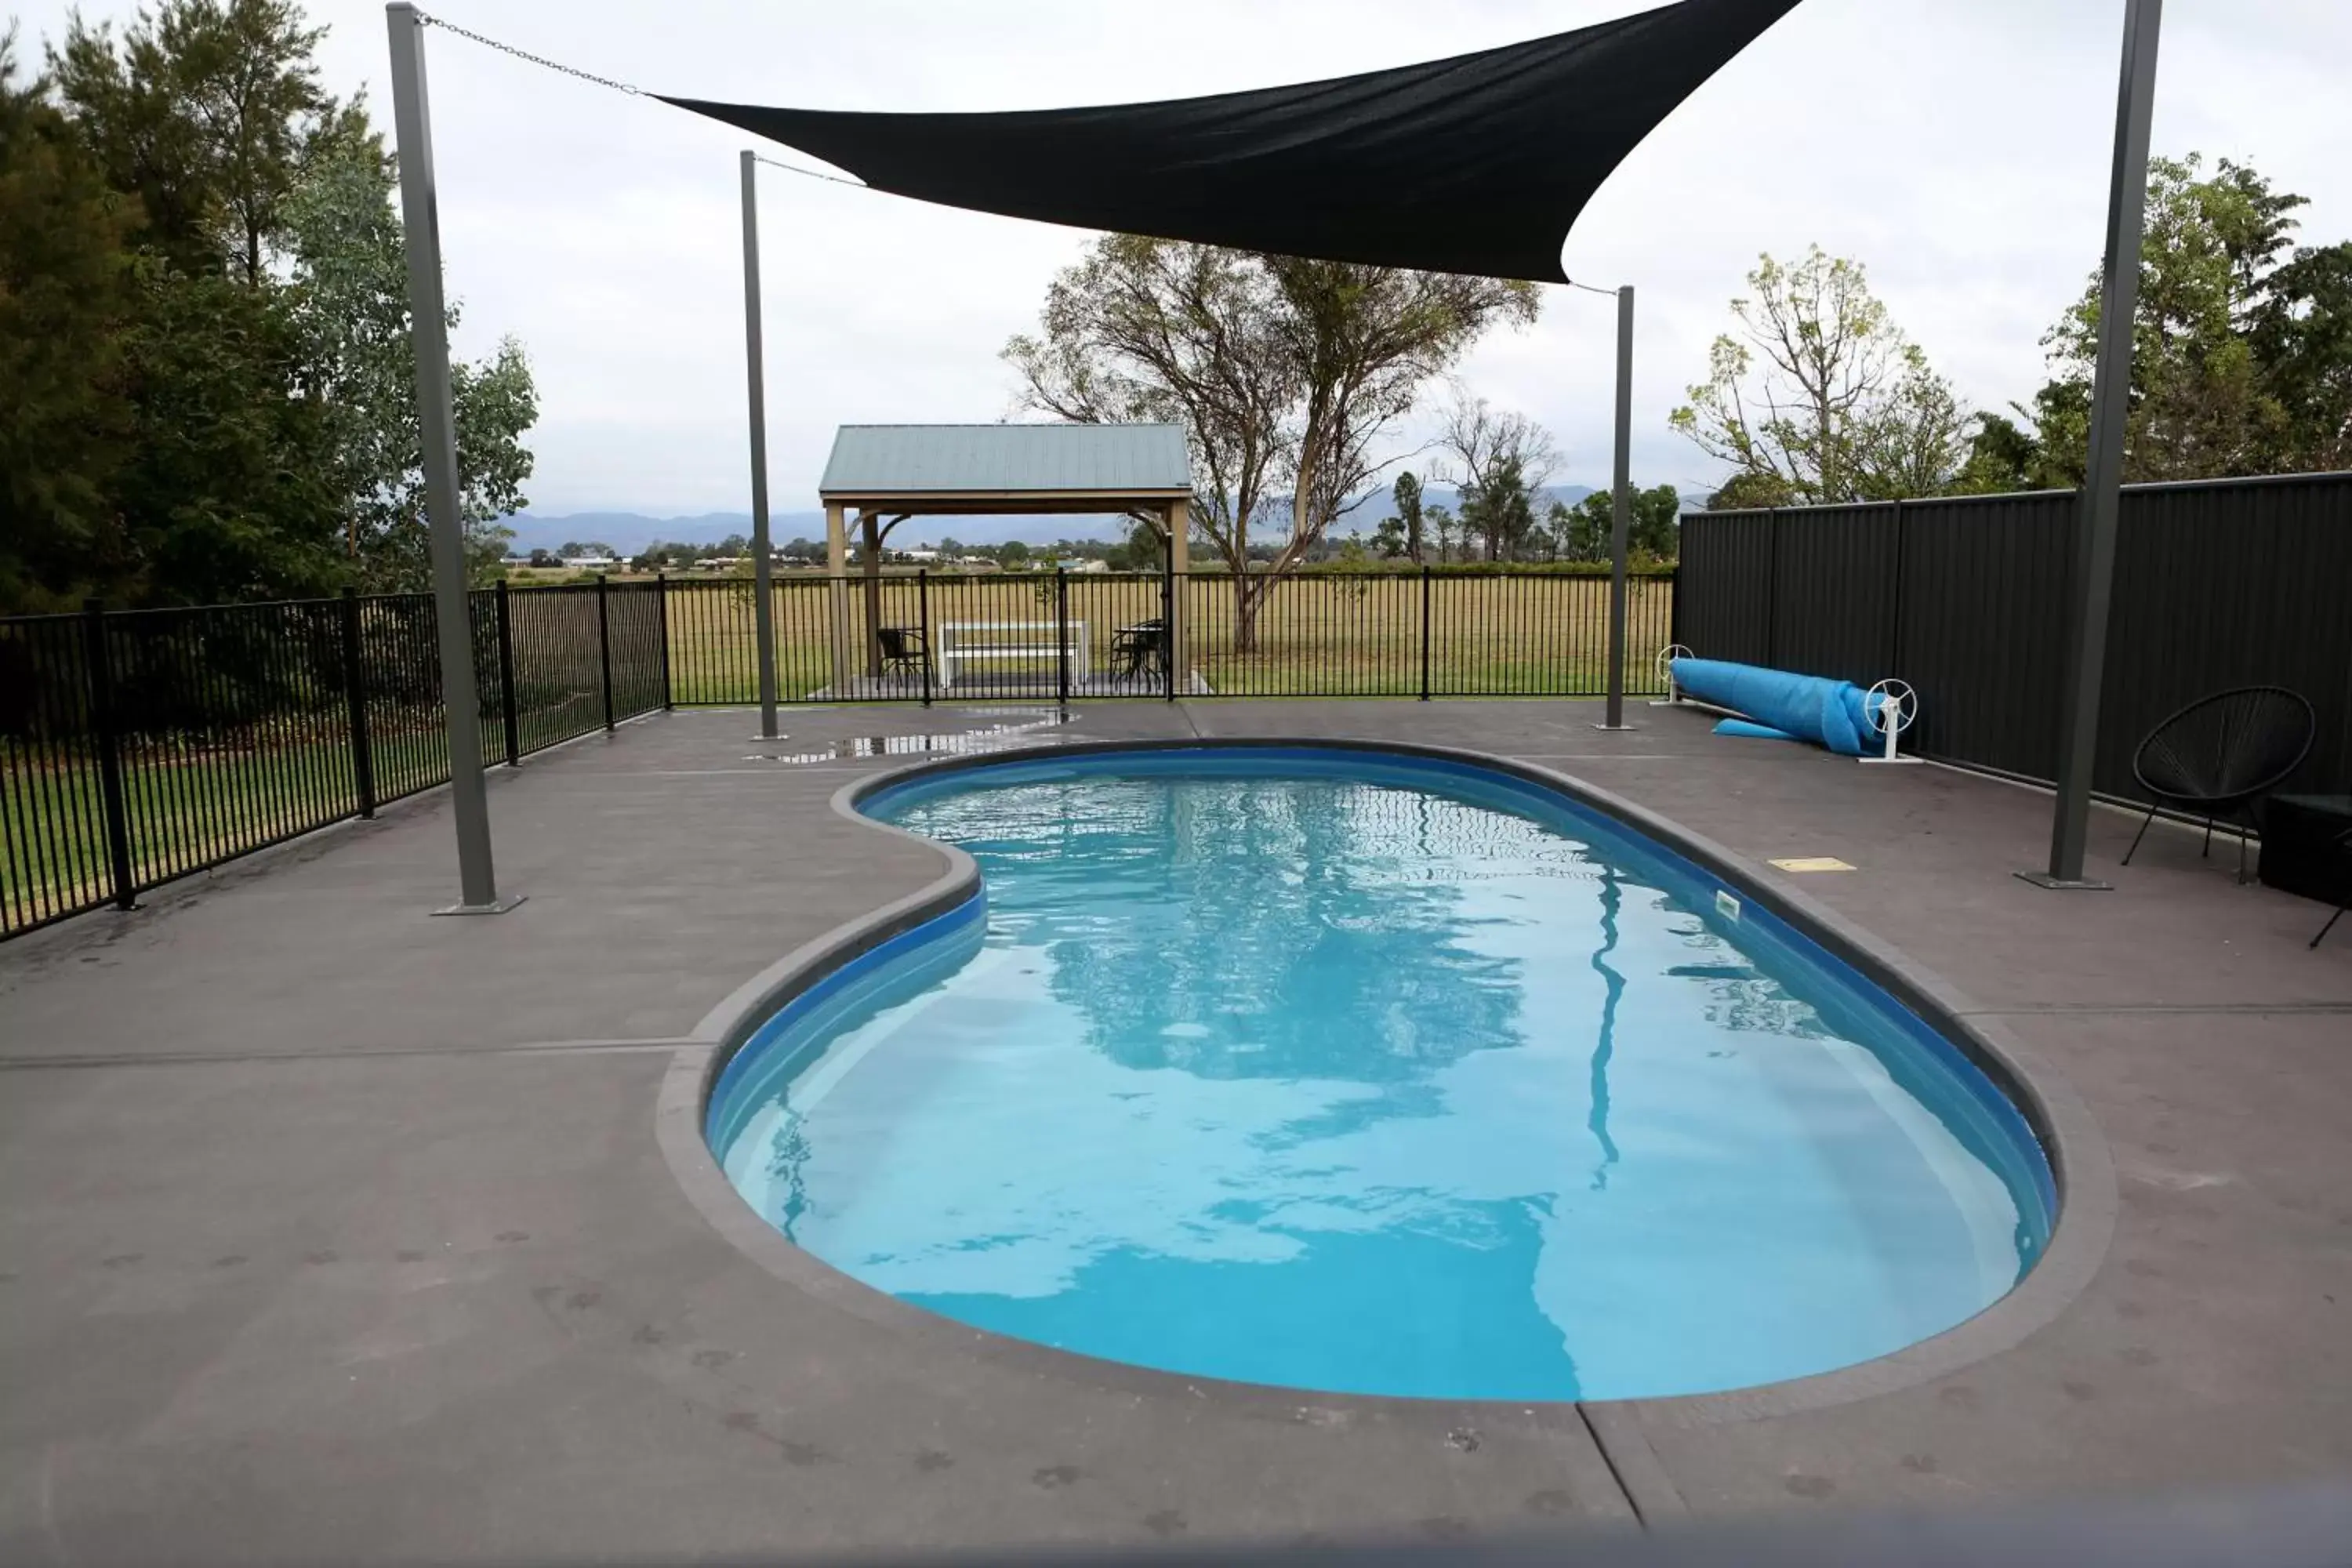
888, 473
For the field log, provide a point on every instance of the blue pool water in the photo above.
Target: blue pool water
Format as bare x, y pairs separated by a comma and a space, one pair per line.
1371, 1075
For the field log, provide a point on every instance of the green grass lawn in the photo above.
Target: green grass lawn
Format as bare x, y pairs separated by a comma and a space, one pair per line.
185, 807
188, 804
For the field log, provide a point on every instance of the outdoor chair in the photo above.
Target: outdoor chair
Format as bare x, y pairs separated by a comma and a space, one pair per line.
903, 649
1139, 648
2220, 755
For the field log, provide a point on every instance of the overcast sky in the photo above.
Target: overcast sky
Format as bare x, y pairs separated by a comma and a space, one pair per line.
1958, 148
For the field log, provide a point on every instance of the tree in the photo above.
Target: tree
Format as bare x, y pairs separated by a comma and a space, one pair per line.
2200, 408
172, 463
1445, 529
2002, 457
1144, 549
2241, 347
1501, 511
350, 289
1505, 458
1406, 493
1364, 342
210, 113
226, 493
1844, 407
207, 386
1283, 372
2302, 334
1574, 535
1652, 524
66, 285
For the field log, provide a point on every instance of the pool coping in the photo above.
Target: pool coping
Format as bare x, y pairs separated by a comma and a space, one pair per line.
2081, 1166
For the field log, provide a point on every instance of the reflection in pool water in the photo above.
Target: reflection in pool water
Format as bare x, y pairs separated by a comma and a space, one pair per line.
1378, 1077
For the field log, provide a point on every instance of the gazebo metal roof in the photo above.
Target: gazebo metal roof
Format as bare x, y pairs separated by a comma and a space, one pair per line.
1029, 467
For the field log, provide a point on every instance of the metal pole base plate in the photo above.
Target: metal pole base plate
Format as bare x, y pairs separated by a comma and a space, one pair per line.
2061, 885
1617, 728
498, 908
1893, 762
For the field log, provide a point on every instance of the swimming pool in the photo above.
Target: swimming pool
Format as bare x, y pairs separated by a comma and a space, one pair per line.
1373, 1073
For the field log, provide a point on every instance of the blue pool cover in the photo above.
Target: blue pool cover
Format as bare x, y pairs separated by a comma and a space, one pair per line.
1832, 714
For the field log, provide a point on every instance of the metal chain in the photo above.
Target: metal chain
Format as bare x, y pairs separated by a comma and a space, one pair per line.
432, 21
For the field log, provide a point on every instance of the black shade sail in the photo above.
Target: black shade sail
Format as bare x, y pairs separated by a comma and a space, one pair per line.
1477, 164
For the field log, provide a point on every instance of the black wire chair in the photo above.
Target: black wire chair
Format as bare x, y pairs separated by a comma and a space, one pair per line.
2220, 755
903, 649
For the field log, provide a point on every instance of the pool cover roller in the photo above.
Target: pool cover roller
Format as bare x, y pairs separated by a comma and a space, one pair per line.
1832, 714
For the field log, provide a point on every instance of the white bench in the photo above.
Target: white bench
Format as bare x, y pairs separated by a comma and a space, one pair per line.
1030, 641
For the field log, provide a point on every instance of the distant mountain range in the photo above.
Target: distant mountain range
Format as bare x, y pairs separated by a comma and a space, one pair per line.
628, 531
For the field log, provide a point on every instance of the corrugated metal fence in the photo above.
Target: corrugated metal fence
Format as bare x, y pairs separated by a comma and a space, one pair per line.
2232, 583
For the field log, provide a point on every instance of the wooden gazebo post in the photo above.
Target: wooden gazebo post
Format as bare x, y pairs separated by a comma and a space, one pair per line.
836, 594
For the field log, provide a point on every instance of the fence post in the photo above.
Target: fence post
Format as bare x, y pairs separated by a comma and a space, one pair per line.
661, 621
109, 751
923, 627
1425, 631
605, 649
1771, 583
355, 699
1061, 637
1168, 591
507, 703
1675, 607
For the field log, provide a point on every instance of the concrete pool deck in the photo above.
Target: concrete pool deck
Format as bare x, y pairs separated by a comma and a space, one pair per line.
334, 1231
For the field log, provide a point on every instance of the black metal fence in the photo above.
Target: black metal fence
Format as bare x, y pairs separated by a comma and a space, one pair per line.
139, 746
2232, 582
1444, 632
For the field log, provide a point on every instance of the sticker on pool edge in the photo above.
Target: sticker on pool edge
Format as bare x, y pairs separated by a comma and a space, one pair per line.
1725, 905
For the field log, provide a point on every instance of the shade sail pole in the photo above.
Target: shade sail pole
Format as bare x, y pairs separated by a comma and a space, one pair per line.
2093, 573
763, 608
1620, 511
428, 333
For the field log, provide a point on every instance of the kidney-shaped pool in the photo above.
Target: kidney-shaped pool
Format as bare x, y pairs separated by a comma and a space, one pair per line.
1379, 1074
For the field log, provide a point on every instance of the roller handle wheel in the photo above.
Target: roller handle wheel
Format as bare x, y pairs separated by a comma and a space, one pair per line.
1663, 668
1893, 707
